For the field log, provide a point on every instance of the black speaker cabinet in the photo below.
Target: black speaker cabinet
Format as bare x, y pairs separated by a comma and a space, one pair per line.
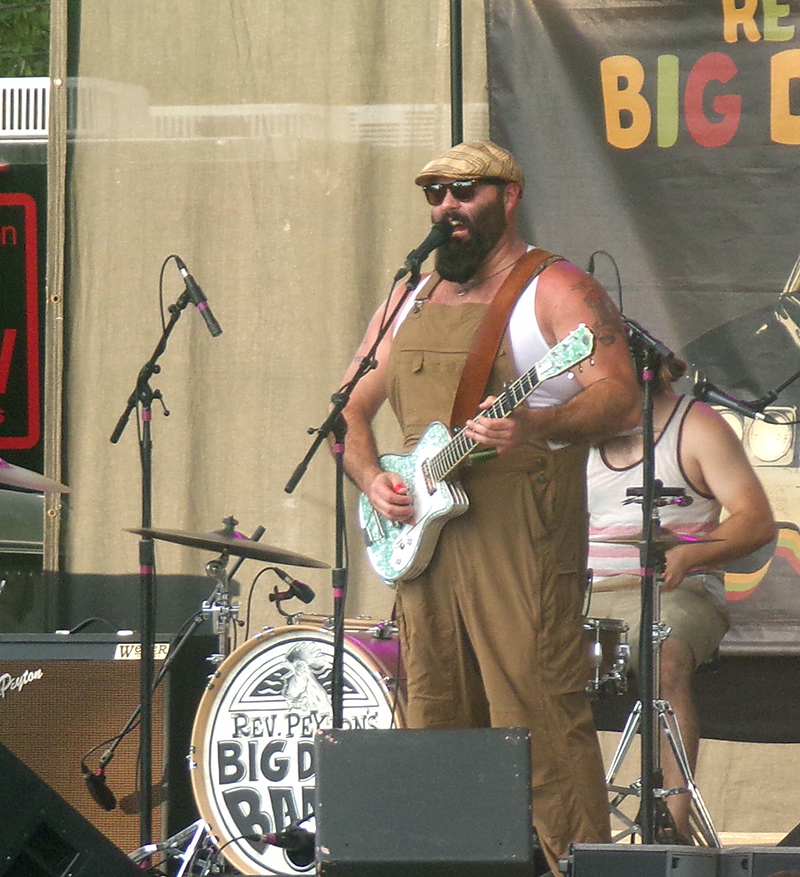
411, 803
42, 836
644, 860
62, 695
641, 860
759, 861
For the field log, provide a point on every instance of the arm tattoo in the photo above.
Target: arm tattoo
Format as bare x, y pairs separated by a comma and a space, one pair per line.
606, 325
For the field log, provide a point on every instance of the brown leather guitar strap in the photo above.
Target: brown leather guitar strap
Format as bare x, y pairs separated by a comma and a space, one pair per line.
480, 359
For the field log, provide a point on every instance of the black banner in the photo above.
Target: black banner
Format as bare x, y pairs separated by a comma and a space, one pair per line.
667, 136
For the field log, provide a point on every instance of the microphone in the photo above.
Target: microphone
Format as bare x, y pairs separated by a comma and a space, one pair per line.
198, 298
96, 784
653, 343
291, 838
296, 589
707, 392
440, 233
298, 843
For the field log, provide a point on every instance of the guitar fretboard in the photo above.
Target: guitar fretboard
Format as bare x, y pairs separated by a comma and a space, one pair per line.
453, 454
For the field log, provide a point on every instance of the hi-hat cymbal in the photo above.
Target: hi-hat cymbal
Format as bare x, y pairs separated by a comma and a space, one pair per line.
16, 476
664, 538
232, 544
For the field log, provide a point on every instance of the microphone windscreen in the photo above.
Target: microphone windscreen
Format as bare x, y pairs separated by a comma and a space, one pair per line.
303, 592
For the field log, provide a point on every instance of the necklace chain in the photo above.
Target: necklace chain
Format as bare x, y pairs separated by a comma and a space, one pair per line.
474, 284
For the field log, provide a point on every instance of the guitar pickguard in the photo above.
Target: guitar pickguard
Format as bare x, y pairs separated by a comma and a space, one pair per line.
402, 551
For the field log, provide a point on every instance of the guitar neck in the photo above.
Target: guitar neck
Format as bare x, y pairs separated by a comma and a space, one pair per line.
452, 455
572, 350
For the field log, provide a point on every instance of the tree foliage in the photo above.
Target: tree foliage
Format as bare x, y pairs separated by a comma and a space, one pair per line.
24, 37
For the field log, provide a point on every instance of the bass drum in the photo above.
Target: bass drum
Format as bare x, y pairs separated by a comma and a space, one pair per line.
252, 749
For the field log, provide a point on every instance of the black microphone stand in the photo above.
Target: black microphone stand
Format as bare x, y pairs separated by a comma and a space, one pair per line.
768, 398
653, 812
651, 777
336, 425
143, 396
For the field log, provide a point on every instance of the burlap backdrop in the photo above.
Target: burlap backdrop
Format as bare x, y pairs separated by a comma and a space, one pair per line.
271, 145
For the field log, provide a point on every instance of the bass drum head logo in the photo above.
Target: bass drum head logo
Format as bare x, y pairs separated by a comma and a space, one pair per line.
252, 755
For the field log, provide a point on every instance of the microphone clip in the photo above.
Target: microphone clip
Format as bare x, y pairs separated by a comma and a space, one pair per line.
649, 341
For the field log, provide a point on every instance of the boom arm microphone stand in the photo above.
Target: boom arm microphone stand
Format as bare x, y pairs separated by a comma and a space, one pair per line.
143, 396
652, 808
335, 424
651, 777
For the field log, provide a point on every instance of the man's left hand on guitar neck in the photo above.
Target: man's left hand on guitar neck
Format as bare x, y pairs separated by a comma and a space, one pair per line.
501, 433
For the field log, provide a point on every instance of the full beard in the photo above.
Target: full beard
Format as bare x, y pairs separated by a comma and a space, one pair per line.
459, 260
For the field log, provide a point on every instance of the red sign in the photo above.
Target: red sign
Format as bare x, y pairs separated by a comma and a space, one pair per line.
20, 400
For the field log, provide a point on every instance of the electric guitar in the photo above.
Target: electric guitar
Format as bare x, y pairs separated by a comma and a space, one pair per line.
401, 550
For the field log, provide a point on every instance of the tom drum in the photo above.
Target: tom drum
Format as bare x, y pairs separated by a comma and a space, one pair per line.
607, 642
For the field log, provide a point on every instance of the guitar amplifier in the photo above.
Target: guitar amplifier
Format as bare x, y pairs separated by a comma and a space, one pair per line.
62, 695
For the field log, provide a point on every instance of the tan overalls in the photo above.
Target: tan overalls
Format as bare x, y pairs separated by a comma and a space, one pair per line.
491, 631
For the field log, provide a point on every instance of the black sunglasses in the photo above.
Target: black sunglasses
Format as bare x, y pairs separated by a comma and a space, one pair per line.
461, 190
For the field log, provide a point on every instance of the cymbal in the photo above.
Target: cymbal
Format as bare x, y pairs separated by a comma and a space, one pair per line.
16, 476
663, 537
237, 545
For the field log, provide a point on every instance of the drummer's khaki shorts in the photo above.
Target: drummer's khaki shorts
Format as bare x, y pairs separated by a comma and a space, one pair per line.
695, 617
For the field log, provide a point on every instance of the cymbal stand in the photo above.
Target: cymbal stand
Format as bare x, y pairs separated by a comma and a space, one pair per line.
664, 719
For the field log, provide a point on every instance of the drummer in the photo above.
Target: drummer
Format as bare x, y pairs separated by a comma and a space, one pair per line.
698, 451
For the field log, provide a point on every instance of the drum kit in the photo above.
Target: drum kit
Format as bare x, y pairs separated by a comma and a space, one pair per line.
251, 757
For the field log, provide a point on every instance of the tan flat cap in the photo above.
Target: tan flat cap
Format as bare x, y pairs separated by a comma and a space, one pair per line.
475, 159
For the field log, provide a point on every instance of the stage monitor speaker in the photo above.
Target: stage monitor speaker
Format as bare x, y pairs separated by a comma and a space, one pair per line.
42, 836
756, 861
61, 695
419, 803
640, 860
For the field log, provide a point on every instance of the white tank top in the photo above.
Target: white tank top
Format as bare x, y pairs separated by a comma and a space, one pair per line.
608, 516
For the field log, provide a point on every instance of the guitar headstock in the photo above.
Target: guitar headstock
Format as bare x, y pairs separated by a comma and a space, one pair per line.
576, 347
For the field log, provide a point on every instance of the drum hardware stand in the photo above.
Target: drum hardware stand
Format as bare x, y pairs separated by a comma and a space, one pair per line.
662, 716
702, 828
218, 608
336, 425
194, 847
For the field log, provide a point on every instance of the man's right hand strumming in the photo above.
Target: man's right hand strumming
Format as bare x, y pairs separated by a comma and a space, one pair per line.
390, 498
